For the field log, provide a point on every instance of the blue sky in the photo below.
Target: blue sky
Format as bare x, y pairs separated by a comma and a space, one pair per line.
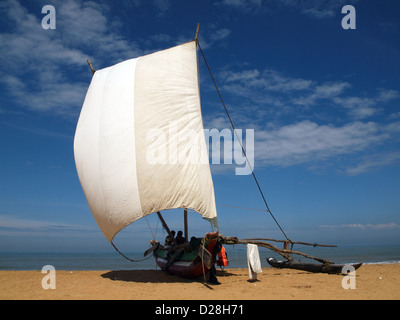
324, 103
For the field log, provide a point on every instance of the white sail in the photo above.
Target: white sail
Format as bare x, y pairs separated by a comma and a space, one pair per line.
116, 144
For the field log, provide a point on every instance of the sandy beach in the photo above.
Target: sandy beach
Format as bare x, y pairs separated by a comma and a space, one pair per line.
373, 282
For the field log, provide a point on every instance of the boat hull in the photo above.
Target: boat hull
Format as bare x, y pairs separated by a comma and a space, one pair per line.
189, 264
182, 268
312, 267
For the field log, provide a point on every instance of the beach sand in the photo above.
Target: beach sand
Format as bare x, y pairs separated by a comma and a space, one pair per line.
372, 282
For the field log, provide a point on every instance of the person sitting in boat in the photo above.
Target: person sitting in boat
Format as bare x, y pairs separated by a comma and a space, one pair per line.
168, 241
179, 238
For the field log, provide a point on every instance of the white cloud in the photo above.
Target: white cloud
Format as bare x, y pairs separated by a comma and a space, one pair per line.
380, 226
387, 95
38, 131
319, 9
219, 34
9, 222
43, 69
210, 34
31, 43
87, 25
270, 87
359, 108
38, 64
393, 127
269, 80
323, 91
162, 6
245, 5
363, 107
313, 144
296, 119
373, 162
308, 141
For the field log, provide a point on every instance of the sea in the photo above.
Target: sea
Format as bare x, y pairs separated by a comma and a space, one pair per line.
237, 257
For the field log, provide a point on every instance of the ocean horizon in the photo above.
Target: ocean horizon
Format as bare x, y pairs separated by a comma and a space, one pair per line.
236, 255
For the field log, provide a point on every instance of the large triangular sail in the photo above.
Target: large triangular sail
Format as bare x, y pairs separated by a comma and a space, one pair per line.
140, 145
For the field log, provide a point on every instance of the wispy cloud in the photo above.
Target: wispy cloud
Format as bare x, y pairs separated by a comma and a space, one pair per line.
244, 5
37, 63
44, 70
305, 112
269, 80
12, 223
328, 90
39, 131
270, 87
210, 35
363, 107
308, 141
373, 162
379, 226
162, 7
319, 9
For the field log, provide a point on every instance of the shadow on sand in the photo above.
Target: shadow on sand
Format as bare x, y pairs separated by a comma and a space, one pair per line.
153, 276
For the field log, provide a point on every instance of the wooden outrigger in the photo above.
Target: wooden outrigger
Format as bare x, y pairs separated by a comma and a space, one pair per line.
324, 265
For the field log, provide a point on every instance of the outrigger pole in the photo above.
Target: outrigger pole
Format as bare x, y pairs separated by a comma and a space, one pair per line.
295, 242
283, 252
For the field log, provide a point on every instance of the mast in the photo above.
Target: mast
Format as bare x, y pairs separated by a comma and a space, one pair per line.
196, 38
91, 67
185, 217
166, 227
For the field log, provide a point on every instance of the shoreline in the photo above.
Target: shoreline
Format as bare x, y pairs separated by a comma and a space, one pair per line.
372, 282
157, 268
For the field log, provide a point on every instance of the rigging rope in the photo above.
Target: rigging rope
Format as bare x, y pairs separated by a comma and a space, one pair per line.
127, 258
154, 237
244, 152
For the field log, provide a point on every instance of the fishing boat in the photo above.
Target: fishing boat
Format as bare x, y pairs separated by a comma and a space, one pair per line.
140, 149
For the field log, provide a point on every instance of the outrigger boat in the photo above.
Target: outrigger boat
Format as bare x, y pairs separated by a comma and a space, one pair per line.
140, 149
